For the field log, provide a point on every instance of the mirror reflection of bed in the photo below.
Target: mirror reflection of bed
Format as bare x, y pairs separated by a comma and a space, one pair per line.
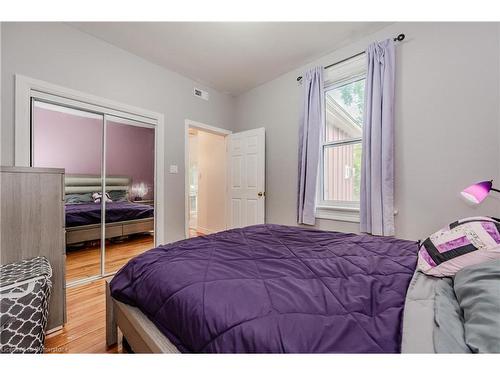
89, 145
129, 224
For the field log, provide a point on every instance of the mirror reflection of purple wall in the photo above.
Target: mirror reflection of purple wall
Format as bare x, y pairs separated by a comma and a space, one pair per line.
67, 138
71, 139
130, 152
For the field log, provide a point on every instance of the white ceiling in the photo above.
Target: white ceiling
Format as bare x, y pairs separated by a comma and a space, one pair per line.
231, 57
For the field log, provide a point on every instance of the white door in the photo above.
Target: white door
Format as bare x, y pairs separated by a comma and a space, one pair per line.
246, 178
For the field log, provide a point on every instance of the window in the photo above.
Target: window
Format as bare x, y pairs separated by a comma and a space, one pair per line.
340, 163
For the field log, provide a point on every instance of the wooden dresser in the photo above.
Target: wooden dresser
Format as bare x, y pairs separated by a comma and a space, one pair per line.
32, 224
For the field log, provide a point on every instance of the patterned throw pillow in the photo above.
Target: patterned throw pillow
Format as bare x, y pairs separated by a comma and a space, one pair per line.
97, 197
463, 243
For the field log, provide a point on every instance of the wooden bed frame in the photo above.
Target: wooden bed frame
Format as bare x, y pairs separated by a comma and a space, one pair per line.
141, 334
92, 232
77, 183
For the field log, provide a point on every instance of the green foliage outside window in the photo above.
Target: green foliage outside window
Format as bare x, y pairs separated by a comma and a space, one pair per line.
353, 95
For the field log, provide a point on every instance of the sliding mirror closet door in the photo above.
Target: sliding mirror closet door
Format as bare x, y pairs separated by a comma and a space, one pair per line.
63, 137
130, 190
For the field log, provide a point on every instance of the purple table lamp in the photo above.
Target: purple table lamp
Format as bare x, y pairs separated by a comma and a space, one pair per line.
479, 191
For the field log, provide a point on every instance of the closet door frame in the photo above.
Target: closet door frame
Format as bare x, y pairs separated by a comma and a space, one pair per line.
27, 89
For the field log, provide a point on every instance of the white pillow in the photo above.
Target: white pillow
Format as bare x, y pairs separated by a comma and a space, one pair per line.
97, 197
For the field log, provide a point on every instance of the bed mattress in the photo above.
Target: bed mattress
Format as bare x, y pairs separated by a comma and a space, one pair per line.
273, 289
90, 213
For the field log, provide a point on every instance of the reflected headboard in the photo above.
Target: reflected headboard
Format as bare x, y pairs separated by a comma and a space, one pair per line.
84, 183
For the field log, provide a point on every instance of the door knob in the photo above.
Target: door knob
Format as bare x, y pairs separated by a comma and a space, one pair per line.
261, 194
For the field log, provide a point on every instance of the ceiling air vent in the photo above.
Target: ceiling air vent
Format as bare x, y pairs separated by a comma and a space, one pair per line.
200, 94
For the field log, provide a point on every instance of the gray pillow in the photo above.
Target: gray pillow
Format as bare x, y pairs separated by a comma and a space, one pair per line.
118, 195
78, 198
478, 293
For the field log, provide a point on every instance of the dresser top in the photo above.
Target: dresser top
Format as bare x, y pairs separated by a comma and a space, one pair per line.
31, 170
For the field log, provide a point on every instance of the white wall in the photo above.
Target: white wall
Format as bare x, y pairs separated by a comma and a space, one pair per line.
211, 182
447, 125
1, 128
62, 55
447, 115
193, 149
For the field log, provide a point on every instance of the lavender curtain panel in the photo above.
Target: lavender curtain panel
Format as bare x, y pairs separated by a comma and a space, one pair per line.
377, 169
309, 143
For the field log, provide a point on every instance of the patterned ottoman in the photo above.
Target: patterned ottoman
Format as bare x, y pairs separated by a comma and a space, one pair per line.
24, 299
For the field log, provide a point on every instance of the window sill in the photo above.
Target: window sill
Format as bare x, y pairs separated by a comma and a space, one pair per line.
349, 214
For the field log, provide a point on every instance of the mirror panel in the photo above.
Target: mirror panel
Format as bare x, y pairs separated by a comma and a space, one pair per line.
72, 139
130, 187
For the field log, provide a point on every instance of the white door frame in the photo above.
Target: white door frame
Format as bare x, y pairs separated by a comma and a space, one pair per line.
207, 128
27, 87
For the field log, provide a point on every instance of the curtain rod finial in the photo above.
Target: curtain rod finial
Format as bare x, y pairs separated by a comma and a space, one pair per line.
399, 38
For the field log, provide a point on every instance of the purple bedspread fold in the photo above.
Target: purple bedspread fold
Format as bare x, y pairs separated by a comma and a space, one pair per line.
90, 213
274, 289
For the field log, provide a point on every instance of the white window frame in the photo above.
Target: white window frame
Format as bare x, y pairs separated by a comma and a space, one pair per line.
344, 73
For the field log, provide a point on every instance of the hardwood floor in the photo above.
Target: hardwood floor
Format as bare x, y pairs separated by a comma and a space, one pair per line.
85, 262
85, 331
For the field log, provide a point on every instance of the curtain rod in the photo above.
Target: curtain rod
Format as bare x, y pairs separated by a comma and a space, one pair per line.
399, 38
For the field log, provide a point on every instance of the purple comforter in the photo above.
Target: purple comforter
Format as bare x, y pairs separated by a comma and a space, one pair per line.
274, 289
90, 213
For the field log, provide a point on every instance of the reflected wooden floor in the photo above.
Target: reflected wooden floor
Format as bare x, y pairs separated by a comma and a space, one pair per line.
85, 331
194, 233
85, 262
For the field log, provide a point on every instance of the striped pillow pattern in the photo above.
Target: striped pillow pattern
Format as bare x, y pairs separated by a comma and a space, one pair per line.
463, 243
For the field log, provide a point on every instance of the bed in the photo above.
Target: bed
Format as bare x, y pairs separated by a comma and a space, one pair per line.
83, 220
279, 289
265, 289
90, 213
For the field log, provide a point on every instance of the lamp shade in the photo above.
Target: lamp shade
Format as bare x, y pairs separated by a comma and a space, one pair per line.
477, 192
